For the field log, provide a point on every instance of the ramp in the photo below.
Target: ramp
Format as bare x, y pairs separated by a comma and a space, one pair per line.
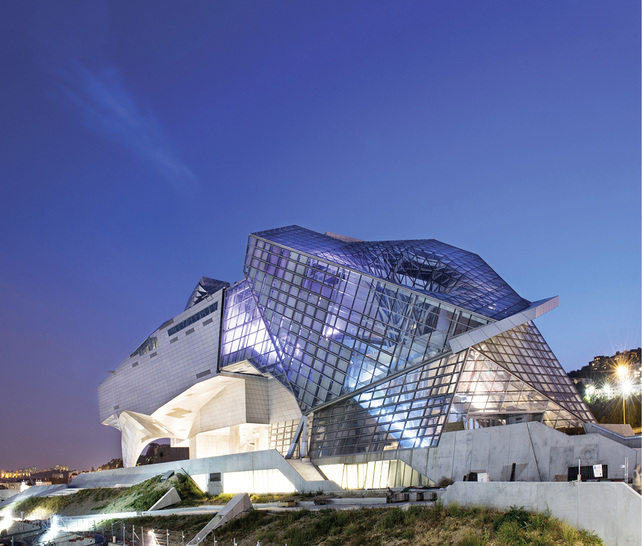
307, 470
634, 442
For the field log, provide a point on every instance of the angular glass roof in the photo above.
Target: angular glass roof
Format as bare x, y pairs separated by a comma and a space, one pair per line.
442, 271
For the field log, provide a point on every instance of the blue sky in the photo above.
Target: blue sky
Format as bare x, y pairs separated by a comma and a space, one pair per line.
141, 142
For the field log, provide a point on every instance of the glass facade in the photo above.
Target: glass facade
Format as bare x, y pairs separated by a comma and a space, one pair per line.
359, 333
489, 395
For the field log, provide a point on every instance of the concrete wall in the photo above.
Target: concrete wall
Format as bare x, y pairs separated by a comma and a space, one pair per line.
538, 452
34, 491
8, 493
611, 510
200, 469
616, 432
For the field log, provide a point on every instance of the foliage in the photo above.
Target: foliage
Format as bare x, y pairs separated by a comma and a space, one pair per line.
510, 532
472, 537
43, 507
145, 494
258, 498
516, 515
223, 498
609, 410
456, 511
187, 489
417, 524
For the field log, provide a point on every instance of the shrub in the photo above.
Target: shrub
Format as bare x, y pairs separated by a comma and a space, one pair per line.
436, 513
542, 522
392, 518
414, 513
516, 515
456, 511
248, 522
408, 534
187, 488
511, 533
223, 498
588, 537
472, 538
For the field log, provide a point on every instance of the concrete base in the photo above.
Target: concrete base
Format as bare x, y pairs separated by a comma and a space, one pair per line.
34, 491
203, 470
538, 452
168, 499
611, 510
239, 504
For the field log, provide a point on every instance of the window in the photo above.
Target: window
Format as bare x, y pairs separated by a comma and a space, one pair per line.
191, 320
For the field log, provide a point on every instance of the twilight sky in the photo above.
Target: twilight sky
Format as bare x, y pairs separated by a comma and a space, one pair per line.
141, 142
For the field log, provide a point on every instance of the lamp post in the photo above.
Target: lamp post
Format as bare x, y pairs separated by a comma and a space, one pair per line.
622, 372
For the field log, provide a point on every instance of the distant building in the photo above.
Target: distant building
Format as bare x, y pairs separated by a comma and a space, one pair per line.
611, 375
163, 453
111, 465
17, 474
606, 365
57, 475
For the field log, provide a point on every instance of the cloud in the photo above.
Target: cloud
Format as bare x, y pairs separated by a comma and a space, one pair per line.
107, 107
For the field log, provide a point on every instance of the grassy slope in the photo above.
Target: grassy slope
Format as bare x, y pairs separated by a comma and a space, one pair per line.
107, 500
372, 526
418, 525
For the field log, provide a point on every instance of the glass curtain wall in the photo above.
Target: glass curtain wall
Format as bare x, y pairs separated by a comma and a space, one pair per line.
490, 395
337, 330
329, 320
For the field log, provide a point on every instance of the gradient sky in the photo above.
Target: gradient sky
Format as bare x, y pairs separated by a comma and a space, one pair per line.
141, 142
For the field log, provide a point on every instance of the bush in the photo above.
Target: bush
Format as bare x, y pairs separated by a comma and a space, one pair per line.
510, 532
436, 513
392, 518
543, 521
187, 489
408, 534
414, 513
248, 523
472, 538
456, 511
516, 515
223, 498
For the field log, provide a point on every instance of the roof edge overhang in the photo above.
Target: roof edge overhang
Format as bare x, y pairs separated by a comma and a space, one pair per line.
468, 339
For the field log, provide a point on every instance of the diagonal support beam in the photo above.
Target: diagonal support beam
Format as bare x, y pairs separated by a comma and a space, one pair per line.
302, 428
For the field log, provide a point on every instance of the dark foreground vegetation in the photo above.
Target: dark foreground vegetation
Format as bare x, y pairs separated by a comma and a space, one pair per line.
611, 410
419, 525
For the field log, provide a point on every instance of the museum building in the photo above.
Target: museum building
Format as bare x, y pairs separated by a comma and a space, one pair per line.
331, 347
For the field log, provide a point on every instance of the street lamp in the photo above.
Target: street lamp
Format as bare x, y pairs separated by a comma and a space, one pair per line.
622, 373
626, 390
